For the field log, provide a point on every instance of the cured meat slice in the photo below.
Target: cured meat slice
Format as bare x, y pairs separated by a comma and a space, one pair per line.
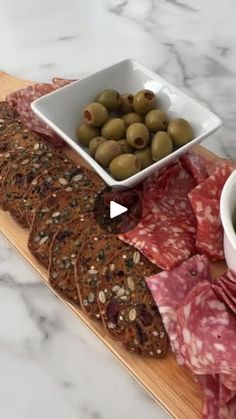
206, 332
219, 402
166, 233
170, 288
205, 203
21, 102
225, 288
58, 82
196, 165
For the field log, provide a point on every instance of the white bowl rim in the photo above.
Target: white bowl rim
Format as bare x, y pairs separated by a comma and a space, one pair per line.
225, 215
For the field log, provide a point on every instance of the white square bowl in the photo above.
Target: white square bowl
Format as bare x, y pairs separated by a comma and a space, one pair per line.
62, 110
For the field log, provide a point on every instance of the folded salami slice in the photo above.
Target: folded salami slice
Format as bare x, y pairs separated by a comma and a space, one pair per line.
170, 288
206, 332
166, 233
58, 82
21, 101
205, 200
196, 165
226, 289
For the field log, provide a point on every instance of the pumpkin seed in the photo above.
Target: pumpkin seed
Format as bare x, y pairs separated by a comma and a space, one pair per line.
132, 314
155, 333
111, 325
36, 238
120, 292
93, 272
102, 297
162, 334
136, 257
43, 240
62, 181
159, 351
124, 297
56, 214
45, 210
130, 283
115, 289
36, 146
24, 162
91, 297
54, 275
112, 267
77, 178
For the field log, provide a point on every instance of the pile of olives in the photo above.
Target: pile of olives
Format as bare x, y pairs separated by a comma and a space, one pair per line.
127, 133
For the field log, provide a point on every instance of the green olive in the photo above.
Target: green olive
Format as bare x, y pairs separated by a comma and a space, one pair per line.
137, 135
95, 143
109, 98
106, 152
124, 166
161, 145
180, 131
156, 120
85, 133
125, 147
145, 156
95, 114
126, 103
131, 118
114, 129
144, 101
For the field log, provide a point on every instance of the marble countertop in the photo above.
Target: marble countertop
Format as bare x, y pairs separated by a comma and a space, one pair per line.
51, 366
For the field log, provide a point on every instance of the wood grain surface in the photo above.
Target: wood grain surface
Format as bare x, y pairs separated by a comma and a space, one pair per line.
170, 385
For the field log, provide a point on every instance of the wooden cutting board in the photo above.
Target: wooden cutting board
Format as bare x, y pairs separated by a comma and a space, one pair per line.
170, 385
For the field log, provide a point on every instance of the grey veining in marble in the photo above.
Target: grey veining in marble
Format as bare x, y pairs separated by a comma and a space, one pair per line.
50, 365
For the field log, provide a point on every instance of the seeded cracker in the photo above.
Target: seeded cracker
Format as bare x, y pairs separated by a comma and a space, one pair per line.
63, 253
127, 306
93, 255
53, 212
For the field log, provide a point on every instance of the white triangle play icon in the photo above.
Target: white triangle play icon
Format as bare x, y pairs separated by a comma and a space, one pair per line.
116, 209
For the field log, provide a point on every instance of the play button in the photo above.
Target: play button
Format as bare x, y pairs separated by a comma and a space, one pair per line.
116, 209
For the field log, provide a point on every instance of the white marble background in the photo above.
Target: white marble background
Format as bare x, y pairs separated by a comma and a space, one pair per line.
50, 365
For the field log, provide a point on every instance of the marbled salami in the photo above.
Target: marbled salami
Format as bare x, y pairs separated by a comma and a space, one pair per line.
206, 332
169, 290
205, 200
58, 82
166, 232
21, 101
196, 165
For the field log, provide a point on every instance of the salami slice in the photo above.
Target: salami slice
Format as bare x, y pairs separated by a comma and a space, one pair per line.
196, 165
206, 332
58, 82
170, 288
205, 203
225, 288
219, 402
166, 233
21, 101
